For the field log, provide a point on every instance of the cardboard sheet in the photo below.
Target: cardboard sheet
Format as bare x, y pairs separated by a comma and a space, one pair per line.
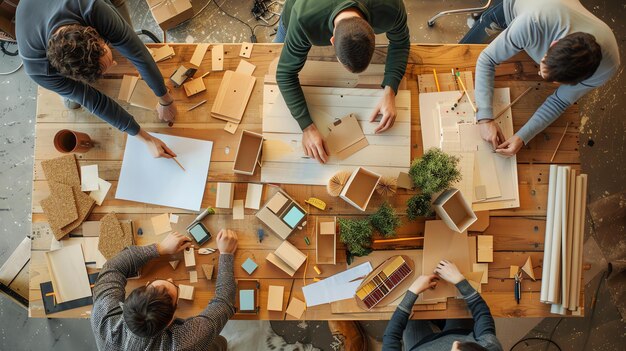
440, 242
160, 181
345, 137
161, 224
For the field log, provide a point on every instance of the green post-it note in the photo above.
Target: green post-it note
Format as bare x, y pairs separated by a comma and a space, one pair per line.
249, 266
246, 300
293, 217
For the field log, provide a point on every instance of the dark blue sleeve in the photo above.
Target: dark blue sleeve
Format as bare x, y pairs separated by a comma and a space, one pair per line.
483, 321
392, 339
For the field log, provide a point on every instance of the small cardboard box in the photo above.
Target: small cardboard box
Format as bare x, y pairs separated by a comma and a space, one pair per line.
360, 187
345, 137
454, 210
326, 240
248, 152
170, 13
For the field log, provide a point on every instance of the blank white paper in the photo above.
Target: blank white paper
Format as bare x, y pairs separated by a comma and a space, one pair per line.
161, 181
340, 286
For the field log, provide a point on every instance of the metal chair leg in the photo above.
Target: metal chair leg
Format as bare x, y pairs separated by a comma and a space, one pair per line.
476, 11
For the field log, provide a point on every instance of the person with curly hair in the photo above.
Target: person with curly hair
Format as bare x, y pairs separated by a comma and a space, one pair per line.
66, 46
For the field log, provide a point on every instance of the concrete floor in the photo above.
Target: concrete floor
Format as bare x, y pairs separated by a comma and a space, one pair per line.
602, 151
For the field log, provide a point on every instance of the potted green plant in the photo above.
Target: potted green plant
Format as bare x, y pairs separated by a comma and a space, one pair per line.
434, 171
356, 234
385, 220
419, 206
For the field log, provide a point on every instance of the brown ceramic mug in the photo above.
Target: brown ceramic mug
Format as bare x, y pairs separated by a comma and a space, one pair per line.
66, 141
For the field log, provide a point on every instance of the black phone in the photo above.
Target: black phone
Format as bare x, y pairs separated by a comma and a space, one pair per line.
199, 232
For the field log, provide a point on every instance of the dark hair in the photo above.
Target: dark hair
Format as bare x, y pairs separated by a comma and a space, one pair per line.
573, 58
148, 310
75, 52
354, 43
470, 346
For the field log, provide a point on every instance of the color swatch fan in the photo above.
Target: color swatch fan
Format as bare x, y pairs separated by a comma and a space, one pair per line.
385, 283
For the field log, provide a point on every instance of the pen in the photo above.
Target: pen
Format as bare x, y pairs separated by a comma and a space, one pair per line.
518, 288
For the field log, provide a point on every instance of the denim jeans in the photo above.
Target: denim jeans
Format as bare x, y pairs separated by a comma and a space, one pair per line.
490, 23
419, 331
281, 33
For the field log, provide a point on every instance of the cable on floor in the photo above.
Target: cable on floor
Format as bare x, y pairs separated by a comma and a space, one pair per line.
13, 71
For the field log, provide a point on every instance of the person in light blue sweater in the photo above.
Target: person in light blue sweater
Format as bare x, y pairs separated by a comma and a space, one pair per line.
571, 46
476, 334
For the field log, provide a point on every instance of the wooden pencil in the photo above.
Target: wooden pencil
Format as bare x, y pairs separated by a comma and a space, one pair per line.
178, 163
383, 241
458, 77
436, 80
513, 102
197, 105
559, 144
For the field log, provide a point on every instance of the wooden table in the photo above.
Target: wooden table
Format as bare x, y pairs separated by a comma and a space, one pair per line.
518, 233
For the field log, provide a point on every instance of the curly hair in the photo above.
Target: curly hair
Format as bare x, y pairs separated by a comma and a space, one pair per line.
573, 59
148, 310
75, 51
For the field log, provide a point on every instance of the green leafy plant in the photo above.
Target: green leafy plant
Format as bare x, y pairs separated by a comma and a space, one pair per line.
434, 171
385, 220
357, 235
419, 206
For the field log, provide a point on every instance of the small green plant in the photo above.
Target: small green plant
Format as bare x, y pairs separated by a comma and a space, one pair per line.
357, 235
419, 206
385, 220
434, 171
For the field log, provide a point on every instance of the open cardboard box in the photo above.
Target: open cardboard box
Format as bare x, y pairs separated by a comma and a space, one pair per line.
282, 214
454, 210
326, 240
360, 187
248, 152
170, 13
287, 257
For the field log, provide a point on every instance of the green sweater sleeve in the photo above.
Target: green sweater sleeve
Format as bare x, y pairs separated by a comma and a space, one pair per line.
398, 51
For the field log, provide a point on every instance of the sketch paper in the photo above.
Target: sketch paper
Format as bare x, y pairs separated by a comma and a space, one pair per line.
340, 286
161, 181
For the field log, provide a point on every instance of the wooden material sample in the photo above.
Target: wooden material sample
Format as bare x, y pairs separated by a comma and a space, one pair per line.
217, 58
246, 50
163, 53
161, 224
62, 170
485, 248
14, 264
113, 238
440, 242
174, 264
224, 196
296, 308
277, 202
513, 271
60, 206
233, 96
345, 137
404, 181
198, 54
326, 240
179, 76
81, 202
245, 67
193, 276
253, 196
287, 257
231, 127
275, 298
386, 283
207, 269
360, 187
528, 268
455, 210
248, 152
99, 195
185, 292
282, 215
238, 210
482, 222
189, 256
69, 274
194, 87
482, 267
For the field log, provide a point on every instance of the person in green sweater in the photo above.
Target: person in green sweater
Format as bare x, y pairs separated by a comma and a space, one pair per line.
350, 27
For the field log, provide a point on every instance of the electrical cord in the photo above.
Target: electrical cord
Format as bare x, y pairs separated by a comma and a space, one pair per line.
13, 71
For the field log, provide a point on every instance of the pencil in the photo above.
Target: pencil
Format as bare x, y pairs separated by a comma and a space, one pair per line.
458, 77
197, 105
178, 163
382, 241
560, 141
436, 80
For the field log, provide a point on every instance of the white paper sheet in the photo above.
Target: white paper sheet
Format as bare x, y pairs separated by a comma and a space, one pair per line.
161, 181
337, 287
89, 178
101, 193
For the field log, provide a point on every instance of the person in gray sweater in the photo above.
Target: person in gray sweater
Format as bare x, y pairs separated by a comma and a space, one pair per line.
145, 320
571, 46
476, 334
66, 46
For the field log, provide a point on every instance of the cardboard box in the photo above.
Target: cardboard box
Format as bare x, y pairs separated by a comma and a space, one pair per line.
452, 208
170, 13
282, 214
247, 297
345, 137
326, 240
360, 187
248, 152
287, 257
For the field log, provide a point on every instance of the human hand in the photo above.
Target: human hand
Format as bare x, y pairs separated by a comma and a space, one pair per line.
424, 282
313, 144
510, 147
449, 272
166, 108
387, 109
227, 241
490, 131
173, 243
155, 146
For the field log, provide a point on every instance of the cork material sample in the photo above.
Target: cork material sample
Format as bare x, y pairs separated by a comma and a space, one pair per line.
84, 204
114, 236
60, 207
62, 170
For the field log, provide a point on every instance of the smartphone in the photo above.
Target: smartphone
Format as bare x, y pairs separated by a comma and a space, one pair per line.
199, 232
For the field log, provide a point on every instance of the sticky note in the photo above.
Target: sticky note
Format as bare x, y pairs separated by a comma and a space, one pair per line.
293, 217
161, 224
249, 266
246, 300
173, 218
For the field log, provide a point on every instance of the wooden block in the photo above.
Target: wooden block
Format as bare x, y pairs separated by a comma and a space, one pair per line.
246, 50
238, 211
60, 206
217, 58
179, 76
163, 53
245, 67
174, 264
99, 195
142, 96
317, 270
194, 87
253, 196
208, 271
113, 238
485, 248
513, 271
189, 256
127, 87
405, 181
528, 268
193, 276
327, 228
231, 127
161, 224
62, 170
224, 195
198, 54
232, 96
185, 292
290, 255
482, 267
296, 308
275, 297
